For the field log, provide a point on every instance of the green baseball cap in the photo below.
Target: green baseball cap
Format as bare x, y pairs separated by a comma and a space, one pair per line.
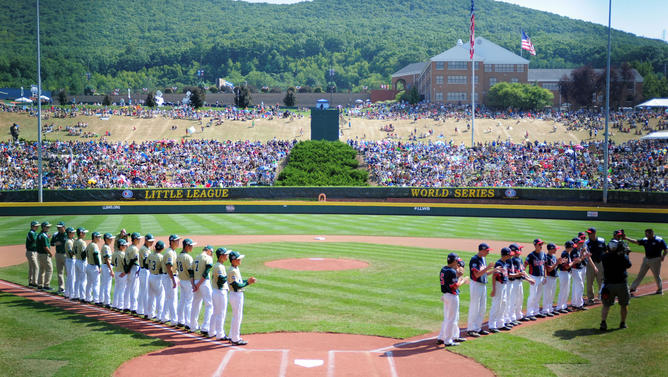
136, 236
34, 223
109, 236
60, 224
82, 230
189, 242
95, 235
46, 224
174, 237
159, 245
149, 237
69, 229
234, 256
222, 251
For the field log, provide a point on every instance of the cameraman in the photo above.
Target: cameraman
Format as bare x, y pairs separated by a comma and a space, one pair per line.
615, 263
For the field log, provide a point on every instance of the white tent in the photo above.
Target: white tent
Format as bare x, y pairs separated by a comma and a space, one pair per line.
658, 135
44, 98
23, 99
655, 102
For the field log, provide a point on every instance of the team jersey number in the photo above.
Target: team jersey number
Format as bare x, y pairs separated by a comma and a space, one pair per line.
196, 265
179, 265
153, 266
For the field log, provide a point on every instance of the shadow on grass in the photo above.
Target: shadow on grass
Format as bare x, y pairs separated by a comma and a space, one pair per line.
568, 334
62, 314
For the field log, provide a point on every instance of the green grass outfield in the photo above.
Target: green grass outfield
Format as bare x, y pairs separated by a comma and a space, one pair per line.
398, 295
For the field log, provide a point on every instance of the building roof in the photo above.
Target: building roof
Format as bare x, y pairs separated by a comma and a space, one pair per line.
411, 69
554, 75
485, 51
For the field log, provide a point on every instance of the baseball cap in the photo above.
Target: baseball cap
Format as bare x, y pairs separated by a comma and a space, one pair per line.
505, 251
69, 229
82, 230
122, 242
234, 256
34, 223
452, 257
174, 237
189, 242
60, 224
483, 246
159, 245
551, 246
577, 241
582, 234
94, 235
568, 244
208, 247
591, 230
222, 251
149, 237
618, 232
46, 224
515, 247
136, 236
109, 236
538, 241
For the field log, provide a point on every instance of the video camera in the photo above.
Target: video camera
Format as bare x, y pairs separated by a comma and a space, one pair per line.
460, 262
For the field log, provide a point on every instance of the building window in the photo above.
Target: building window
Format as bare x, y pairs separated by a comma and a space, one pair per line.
550, 85
456, 79
514, 79
492, 81
488, 68
504, 68
439, 80
456, 96
520, 68
457, 65
440, 65
438, 96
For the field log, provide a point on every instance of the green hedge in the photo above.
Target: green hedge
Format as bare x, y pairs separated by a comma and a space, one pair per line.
322, 163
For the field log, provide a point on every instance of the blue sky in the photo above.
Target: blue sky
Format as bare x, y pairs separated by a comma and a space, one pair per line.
642, 17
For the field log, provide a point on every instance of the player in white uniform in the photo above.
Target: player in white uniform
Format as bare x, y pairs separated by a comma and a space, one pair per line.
219, 296
184, 270
80, 265
202, 291
132, 274
478, 291
237, 284
69, 262
118, 259
170, 281
144, 252
93, 269
107, 271
156, 294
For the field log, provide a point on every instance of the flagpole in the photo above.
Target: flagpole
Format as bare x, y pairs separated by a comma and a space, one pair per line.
607, 113
39, 115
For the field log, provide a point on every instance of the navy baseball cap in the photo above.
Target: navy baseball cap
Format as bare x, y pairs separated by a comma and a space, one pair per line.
568, 244
159, 245
538, 241
452, 257
505, 251
551, 246
618, 232
577, 240
582, 234
109, 236
591, 230
515, 247
222, 251
136, 236
149, 237
234, 256
122, 242
483, 246
189, 242
174, 237
34, 223
60, 224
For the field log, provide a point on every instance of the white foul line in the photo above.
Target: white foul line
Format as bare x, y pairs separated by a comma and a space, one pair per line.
330, 364
223, 364
284, 364
390, 360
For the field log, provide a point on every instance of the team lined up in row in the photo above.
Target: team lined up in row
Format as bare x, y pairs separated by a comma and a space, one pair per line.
147, 277
581, 255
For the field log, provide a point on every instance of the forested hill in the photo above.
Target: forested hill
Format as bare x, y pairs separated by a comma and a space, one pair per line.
159, 43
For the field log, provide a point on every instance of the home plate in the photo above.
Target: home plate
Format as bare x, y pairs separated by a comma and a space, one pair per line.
320, 238
309, 363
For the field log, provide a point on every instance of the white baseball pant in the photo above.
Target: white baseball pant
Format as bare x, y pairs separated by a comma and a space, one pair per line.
69, 282
156, 296
450, 325
105, 286
535, 293
517, 299
578, 287
168, 313
499, 302
548, 294
142, 296
131, 287
477, 306
219, 298
237, 303
80, 289
201, 294
119, 291
185, 303
564, 289
93, 283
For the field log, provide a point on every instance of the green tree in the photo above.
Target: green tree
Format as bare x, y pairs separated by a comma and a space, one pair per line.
290, 98
150, 99
411, 96
62, 96
519, 96
106, 101
197, 97
242, 96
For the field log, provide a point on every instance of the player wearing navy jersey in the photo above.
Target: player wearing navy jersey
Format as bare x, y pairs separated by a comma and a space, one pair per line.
655, 253
535, 262
452, 278
597, 247
478, 304
565, 277
499, 293
517, 289
551, 264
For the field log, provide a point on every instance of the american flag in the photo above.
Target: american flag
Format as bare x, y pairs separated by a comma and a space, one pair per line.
472, 30
526, 44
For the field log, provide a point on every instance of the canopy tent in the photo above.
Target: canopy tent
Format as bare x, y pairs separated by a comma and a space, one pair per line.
23, 100
655, 102
658, 135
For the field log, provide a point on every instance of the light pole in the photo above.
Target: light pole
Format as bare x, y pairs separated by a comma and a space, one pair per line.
40, 196
331, 85
607, 112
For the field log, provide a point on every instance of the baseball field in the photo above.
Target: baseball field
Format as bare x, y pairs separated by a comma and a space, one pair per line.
392, 301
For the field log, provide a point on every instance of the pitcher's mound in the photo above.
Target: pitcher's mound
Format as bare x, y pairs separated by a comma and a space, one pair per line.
317, 264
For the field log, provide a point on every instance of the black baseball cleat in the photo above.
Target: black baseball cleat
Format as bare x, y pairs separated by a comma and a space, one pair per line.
659, 292
187, 328
549, 315
453, 344
473, 334
539, 315
622, 325
493, 331
240, 342
439, 342
516, 323
532, 318
225, 338
459, 340
604, 326
483, 332
524, 319
204, 334
505, 328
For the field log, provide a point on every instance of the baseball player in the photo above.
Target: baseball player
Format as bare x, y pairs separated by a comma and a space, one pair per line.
565, 277
122, 235
551, 264
478, 288
44, 255
219, 296
80, 264
202, 291
58, 240
596, 246
69, 262
93, 269
655, 253
118, 260
107, 270
132, 272
452, 278
580, 257
31, 253
185, 273
156, 294
517, 289
170, 281
499, 294
144, 252
536, 263
238, 285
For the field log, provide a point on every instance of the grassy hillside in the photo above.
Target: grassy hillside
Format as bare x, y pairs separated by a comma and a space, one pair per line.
157, 44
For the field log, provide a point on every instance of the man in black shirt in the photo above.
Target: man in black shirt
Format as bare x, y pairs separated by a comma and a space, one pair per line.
615, 263
655, 253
